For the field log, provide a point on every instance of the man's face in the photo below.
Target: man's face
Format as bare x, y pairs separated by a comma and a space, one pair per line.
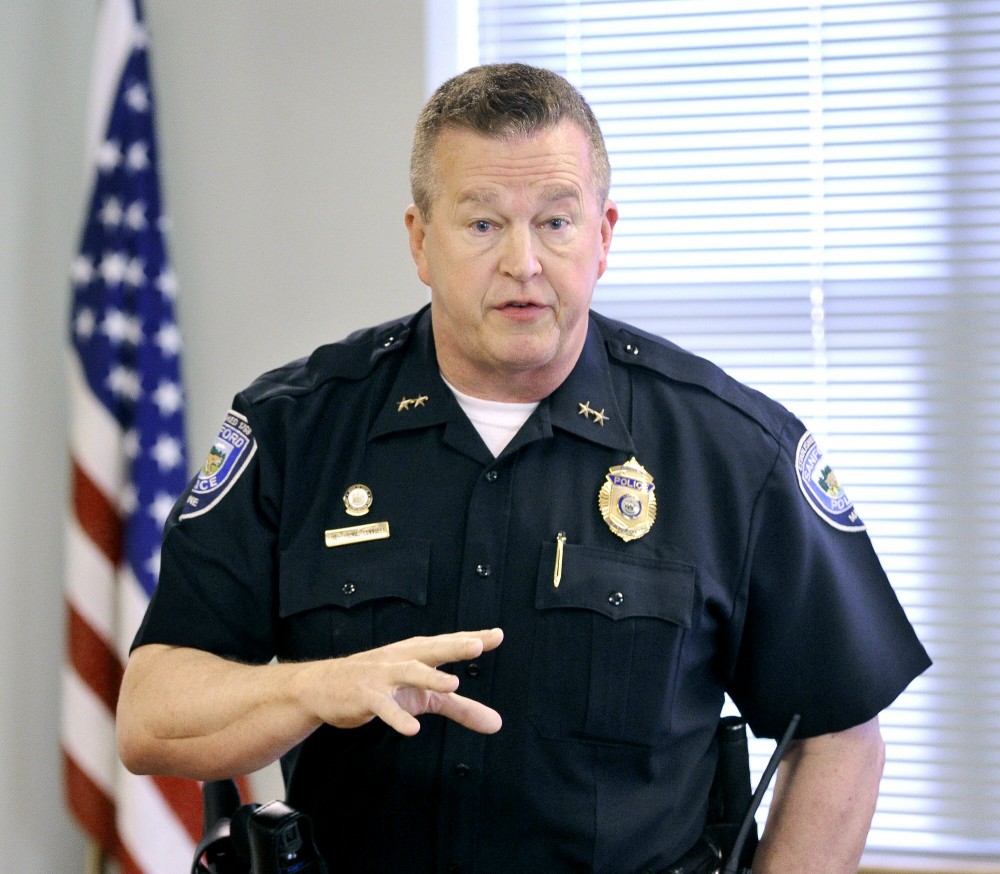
512, 250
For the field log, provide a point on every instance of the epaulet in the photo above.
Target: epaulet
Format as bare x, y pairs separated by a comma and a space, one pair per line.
352, 358
637, 348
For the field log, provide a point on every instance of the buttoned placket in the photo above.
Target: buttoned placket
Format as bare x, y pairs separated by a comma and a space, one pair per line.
463, 751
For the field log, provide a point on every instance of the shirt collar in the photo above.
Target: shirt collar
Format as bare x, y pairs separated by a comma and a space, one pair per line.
584, 405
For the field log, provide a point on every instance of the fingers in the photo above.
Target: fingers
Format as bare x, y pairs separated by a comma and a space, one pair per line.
400, 681
472, 714
442, 649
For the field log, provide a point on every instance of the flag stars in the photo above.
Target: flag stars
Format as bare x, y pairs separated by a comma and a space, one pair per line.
84, 323
128, 500
131, 444
168, 338
137, 97
160, 508
167, 452
166, 282
124, 383
135, 273
120, 328
135, 216
168, 397
140, 37
112, 267
109, 156
153, 565
110, 213
82, 271
137, 156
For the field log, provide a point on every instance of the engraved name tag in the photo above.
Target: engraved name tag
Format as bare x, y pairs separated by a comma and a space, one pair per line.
356, 534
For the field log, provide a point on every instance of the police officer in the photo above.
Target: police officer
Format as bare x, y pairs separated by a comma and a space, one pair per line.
648, 533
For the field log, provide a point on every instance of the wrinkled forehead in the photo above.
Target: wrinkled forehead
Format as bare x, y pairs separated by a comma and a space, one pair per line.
553, 162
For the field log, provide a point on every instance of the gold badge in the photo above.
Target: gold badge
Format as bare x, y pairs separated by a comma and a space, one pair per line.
627, 500
357, 500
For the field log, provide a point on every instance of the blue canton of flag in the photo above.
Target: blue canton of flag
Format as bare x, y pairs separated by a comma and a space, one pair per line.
123, 325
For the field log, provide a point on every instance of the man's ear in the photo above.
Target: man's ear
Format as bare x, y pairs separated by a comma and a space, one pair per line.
608, 221
416, 229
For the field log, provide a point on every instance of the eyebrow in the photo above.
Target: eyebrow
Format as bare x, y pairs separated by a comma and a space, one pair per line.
551, 194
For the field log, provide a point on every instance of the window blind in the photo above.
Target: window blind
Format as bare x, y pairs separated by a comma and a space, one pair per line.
810, 196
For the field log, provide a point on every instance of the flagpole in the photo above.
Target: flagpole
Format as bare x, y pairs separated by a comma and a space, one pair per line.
95, 859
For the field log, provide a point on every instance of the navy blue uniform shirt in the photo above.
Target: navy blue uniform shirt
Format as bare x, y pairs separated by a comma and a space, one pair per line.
752, 579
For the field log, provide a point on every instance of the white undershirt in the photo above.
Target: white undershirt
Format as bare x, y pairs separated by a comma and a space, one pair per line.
496, 421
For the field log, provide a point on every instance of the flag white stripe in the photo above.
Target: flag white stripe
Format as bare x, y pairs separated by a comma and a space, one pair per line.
90, 587
96, 438
148, 827
90, 738
132, 601
115, 29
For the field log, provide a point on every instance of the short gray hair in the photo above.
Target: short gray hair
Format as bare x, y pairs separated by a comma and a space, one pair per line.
504, 101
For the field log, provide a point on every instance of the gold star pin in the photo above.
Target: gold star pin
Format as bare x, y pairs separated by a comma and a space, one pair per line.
411, 403
587, 411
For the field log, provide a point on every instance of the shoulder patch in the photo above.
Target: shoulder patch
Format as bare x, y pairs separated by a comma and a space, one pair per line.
821, 488
227, 459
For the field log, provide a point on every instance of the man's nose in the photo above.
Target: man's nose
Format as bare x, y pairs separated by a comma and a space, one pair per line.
518, 258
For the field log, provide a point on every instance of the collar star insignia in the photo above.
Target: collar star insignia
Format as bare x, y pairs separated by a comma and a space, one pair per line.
411, 403
587, 411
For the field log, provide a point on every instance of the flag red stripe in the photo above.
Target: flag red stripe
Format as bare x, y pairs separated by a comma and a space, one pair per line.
96, 814
93, 659
184, 798
96, 515
93, 809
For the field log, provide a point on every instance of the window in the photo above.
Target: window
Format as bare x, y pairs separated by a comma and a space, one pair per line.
810, 196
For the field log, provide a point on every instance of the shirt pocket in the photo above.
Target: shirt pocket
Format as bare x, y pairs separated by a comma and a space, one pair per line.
607, 644
351, 598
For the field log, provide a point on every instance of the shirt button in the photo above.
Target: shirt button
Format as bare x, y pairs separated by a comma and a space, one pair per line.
483, 570
348, 588
473, 670
616, 599
491, 476
461, 770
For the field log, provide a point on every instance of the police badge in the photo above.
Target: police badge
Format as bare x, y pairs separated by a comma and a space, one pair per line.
627, 500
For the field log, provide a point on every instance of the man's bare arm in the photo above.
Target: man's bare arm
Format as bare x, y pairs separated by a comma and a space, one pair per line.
187, 712
823, 803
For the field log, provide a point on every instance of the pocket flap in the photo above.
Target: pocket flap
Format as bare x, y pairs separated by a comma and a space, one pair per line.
616, 585
351, 575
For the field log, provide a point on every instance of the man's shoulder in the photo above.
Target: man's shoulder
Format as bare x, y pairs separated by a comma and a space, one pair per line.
633, 347
352, 359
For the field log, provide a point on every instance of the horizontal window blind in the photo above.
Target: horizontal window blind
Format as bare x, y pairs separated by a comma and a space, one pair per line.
810, 196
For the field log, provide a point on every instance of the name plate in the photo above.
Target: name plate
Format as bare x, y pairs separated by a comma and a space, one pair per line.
356, 534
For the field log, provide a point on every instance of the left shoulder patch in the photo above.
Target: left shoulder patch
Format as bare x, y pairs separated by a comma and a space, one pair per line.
227, 459
823, 491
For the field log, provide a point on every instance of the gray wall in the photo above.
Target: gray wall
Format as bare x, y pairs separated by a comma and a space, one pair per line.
284, 129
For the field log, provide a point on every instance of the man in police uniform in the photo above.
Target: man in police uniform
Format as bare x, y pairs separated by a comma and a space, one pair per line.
647, 533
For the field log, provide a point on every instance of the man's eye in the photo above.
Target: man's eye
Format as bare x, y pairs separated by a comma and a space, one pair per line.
557, 224
481, 226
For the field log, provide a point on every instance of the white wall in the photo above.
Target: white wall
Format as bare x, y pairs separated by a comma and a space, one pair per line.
284, 131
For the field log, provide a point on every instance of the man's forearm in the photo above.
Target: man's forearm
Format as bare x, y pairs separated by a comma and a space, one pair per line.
190, 713
186, 712
823, 803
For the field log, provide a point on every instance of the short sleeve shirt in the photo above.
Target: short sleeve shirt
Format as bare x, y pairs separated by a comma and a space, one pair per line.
702, 544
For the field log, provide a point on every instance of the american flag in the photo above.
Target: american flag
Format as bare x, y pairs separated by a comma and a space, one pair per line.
128, 460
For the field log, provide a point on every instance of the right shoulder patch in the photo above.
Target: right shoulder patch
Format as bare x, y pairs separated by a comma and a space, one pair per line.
227, 459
